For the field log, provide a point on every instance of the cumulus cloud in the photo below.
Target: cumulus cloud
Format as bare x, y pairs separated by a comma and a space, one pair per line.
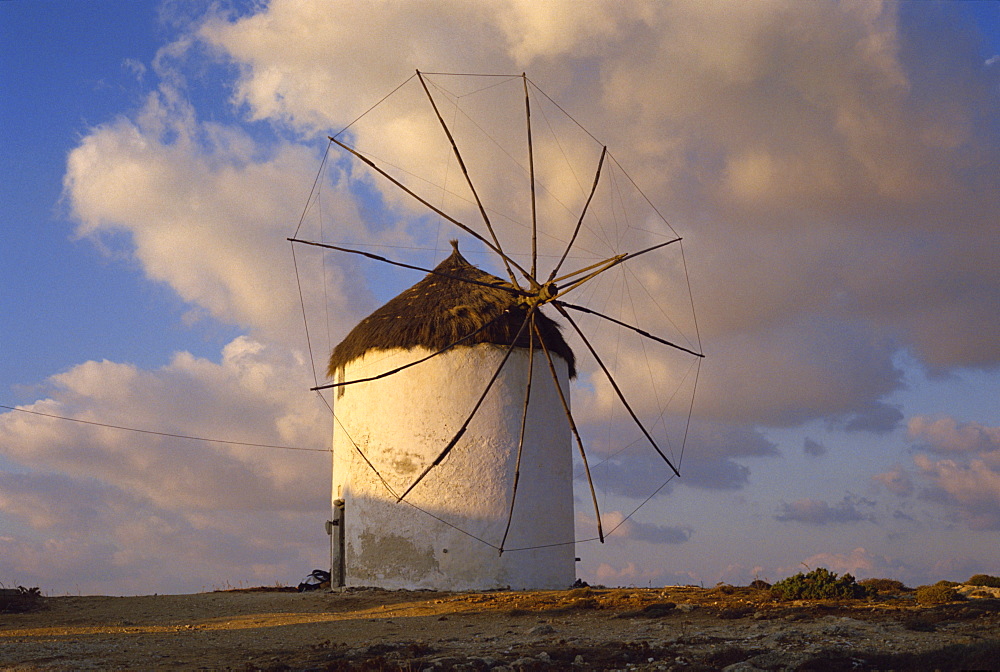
695, 115
896, 481
963, 469
878, 418
947, 435
973, 487
819, 512
709, 462
204, 208
614, 522
157, 510
689, 94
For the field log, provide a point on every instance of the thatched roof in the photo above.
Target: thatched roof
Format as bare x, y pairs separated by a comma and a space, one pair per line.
438, 311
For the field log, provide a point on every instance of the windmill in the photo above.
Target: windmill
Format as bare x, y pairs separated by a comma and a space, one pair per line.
454, 432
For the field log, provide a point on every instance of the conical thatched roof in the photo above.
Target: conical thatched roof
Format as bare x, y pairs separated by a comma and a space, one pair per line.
438, 311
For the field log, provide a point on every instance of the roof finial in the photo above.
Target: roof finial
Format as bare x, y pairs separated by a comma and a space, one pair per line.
454, 244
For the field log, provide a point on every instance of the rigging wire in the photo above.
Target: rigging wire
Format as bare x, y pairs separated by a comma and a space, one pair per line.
312, 191
568, 115
305, 319
165, 434
363, 114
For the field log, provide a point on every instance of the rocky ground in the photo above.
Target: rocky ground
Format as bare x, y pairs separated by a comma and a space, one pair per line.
676, 628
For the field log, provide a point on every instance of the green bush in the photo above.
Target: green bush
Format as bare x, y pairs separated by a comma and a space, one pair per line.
885, 586
984, 580
939, 593
819, 584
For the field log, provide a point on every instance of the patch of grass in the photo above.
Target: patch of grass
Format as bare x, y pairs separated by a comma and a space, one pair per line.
819, 584
580, 592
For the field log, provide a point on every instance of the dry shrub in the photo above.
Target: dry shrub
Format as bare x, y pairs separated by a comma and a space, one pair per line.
939, 593
885, 586
19, 600
984, 580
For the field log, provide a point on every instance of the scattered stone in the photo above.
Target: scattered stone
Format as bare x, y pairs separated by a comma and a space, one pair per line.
540, 630
658, 609
742, 666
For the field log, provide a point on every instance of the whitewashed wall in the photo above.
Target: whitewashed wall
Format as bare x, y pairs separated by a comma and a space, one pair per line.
402, 422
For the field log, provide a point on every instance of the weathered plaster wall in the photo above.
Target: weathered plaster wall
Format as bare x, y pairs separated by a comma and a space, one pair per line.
402, 422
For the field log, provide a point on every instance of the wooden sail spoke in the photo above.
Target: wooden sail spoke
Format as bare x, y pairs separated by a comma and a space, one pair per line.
531, 176
468, 180
579, 223
618, 391
497, 285
475, 409
637, 330
437, 211
523, 431
576, 435
605, 265
386, 374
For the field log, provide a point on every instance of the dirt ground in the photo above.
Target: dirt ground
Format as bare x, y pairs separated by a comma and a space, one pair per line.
676, 628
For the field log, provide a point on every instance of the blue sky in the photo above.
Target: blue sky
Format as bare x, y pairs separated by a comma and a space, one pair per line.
71, 63
832, 169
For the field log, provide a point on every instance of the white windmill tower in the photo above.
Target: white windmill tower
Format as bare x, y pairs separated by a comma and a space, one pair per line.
453, 433
508, 472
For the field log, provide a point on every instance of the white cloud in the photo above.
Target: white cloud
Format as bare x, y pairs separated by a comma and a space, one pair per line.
974, 487
629, 574
741, 122
205, 212
896, 481
819, 512
947, 435
160, 511
305, 66
968, 480
614, 522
